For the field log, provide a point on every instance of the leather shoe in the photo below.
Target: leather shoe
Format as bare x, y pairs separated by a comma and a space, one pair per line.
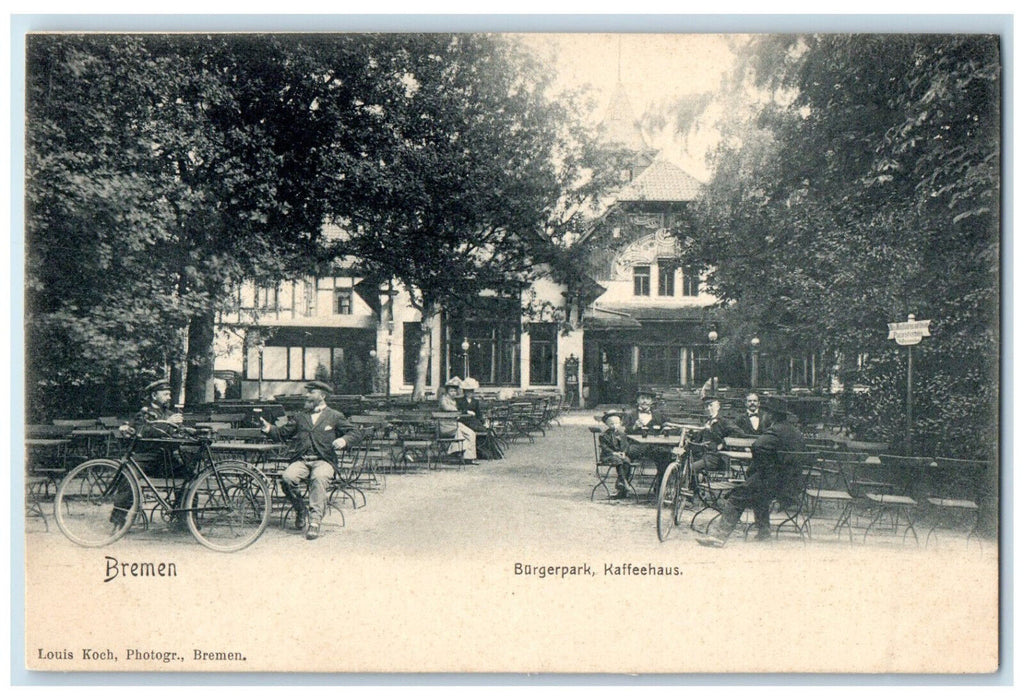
313, 531
710, 541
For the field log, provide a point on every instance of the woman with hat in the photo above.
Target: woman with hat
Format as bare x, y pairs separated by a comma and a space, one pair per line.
473, 418
465, 437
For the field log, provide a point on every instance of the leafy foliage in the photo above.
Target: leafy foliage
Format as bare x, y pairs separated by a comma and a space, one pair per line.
864, 188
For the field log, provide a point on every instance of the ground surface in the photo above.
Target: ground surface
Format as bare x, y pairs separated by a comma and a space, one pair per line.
425, 577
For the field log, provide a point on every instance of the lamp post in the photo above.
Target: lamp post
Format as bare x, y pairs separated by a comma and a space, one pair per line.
465, 357
755, 345
387, 379
373, 364
713, 339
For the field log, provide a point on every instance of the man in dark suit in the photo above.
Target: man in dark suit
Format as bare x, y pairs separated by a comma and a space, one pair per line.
768, 476
312, 436
717, 428
647, 419
754, 421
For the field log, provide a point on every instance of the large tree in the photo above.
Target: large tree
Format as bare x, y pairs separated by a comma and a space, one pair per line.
472, 175
866, 187
160, 170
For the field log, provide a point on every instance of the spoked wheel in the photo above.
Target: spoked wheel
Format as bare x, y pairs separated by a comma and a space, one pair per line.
97, 502
670, 500
228, 506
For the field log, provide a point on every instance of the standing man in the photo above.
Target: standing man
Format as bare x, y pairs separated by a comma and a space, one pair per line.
753, 421
312, 438
768, 476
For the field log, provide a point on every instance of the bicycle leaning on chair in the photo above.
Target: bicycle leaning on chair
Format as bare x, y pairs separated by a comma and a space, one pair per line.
226, 503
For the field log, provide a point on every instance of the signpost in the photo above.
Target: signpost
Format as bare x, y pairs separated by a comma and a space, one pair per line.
909, 334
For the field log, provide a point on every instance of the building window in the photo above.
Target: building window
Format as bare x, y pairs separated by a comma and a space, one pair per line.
266, 298
411, 342
543, 353
691, 285
666, 279
642, 281
493, 355
343, 301
659, 364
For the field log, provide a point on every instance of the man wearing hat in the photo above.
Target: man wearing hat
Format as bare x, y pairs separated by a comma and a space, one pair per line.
312, 436
645, 418
157, 410
615, 449
715, 430
769, 475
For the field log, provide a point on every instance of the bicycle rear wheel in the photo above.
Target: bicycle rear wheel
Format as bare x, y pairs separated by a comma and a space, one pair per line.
228, 506
669, 497
97, 502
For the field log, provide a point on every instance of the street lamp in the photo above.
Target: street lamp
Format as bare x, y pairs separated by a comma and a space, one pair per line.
755, 345
373, 368
465, 358
387, 380
713, 338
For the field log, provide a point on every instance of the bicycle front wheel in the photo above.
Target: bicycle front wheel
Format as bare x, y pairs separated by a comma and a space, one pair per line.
668, 497
228, 506
97, 502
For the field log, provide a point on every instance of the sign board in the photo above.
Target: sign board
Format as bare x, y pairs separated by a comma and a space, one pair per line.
909, 332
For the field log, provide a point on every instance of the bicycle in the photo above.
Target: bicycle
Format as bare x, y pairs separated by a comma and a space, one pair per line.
679, 486
226, 505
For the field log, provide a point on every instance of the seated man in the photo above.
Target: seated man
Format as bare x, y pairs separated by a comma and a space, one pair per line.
615, 449
312, 438
754, 421
157, 419
766, 478
647, 419
715, 430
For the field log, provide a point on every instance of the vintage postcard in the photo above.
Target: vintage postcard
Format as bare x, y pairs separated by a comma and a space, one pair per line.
602, 353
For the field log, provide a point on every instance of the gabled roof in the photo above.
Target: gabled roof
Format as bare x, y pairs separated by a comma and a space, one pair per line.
661, 182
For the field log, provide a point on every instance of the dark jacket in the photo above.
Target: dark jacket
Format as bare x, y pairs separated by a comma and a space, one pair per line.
611, 442
630, 419
775, 469
141, 422
743, 423
305, 438
476, 421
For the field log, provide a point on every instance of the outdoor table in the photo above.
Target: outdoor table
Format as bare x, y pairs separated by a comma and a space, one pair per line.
97, 440
257, 451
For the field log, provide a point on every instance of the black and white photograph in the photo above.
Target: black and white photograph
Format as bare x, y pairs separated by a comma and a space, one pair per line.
514, 352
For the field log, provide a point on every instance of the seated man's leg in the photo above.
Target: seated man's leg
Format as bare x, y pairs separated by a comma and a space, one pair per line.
291, 477
320, 473
762, 521
744, 496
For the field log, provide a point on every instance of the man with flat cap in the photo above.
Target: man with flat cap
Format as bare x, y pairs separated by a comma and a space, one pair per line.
157, 410
312, 437
770, 474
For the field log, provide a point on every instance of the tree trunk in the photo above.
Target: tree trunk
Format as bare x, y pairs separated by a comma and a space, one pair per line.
200, 358
430, 312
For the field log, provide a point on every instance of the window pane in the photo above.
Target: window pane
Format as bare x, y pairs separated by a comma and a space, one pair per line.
543, 353
642, 281
252, 363
666, 279
318, 363
275, 362
295, 363
343, 301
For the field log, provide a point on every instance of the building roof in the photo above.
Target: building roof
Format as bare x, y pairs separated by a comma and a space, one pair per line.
619, 126
661, 182
656, 313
